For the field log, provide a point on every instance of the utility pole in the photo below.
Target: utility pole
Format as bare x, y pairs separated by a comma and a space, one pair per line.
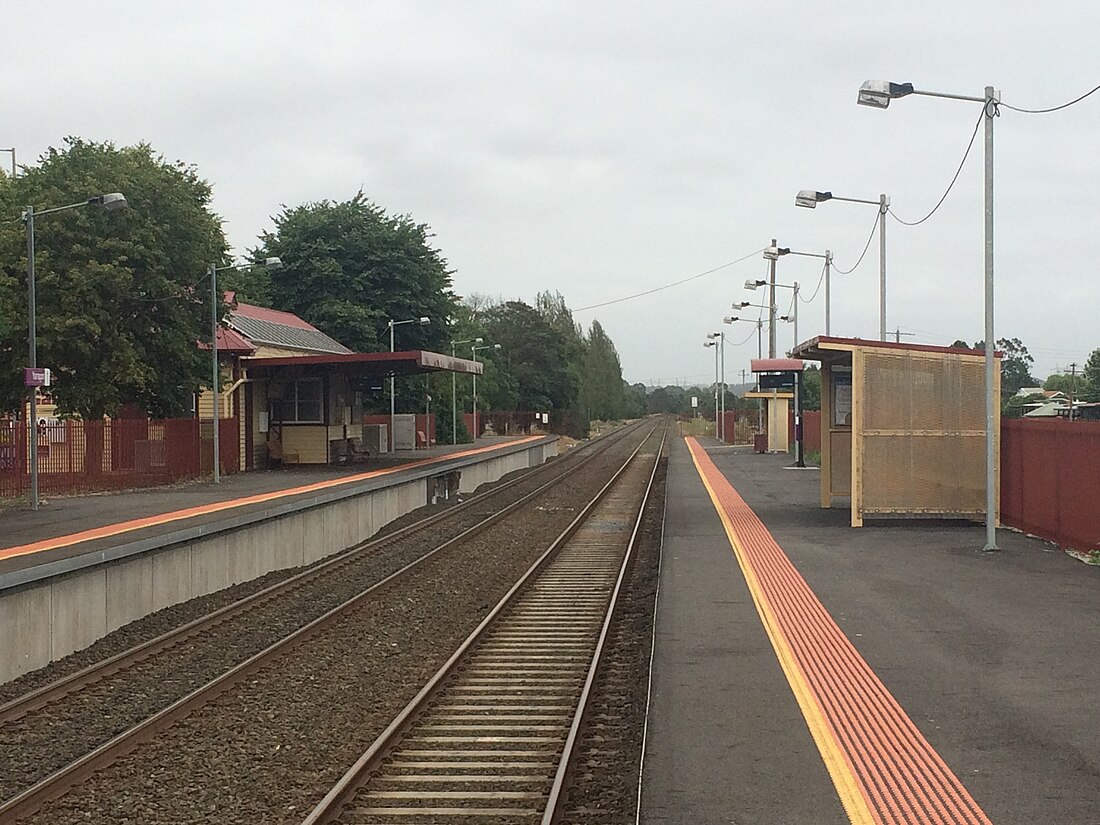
771, 303
898, 333
1072, 389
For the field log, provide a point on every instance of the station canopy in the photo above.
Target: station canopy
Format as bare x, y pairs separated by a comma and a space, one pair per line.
367, 364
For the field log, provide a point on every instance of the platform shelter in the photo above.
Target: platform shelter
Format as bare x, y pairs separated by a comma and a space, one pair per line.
777, 380
903, 428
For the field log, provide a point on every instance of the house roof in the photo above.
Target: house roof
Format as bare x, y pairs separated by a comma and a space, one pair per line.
230, 341
281, 329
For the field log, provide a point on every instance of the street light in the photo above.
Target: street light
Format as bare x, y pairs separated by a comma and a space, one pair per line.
810, 198
828, 258
716, 348
720, 405
879, 93
213, 270
112, 202
759, 354
473, 352
13, 170
454, 387
421, 321
771, 307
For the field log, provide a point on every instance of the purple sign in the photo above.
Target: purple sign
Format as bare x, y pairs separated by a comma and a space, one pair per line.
36, 377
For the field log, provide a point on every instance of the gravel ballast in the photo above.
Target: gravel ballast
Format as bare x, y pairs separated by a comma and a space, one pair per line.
272, 745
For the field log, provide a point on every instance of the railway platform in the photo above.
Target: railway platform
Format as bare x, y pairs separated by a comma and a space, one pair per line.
83, 566
808, 672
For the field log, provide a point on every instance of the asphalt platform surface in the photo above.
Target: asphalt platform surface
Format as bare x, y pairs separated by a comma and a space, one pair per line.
994, 656
70, 515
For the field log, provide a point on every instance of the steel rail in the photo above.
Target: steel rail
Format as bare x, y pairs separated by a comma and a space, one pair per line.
57, 783
72, 683
330, 808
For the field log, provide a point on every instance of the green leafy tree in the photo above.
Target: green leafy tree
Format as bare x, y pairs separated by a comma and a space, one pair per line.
1091, 389
534, 352
811, 389
121, 299
349, 267
601, 377
1016, 364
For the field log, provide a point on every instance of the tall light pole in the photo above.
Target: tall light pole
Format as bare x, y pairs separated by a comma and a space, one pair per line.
759, 354
720, 432
13, 169
422, 321
454, 387
216, 375
878, 94
473, 352
111, 202
810, 198
772, 308
716, 348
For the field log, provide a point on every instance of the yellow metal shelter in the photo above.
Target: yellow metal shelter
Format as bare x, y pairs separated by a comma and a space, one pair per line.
902, 428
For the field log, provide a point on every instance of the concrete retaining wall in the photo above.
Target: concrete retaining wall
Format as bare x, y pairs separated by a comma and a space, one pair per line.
58, 615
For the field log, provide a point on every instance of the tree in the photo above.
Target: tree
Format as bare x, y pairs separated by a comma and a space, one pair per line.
349, 267
811, 389
1016, 364
534, 353
601, 377
120, 296
1091, 389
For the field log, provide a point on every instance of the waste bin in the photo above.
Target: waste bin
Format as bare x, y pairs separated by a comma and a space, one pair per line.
760, 442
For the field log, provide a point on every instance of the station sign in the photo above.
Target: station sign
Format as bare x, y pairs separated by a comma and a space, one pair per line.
37, 377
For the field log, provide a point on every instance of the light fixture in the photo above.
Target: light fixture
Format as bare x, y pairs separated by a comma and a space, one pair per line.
274, 262
750, 284
729, 319
879, 93
811, 198
771, 253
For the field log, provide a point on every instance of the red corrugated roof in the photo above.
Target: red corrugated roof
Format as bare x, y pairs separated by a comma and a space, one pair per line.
230, 341
275, 316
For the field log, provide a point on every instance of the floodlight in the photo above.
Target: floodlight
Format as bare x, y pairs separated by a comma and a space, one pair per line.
810, 198
879, 93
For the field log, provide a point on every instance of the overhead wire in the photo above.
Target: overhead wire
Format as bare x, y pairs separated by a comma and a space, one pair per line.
951, 185
820, 281
752, 254
1052, 108
862, 254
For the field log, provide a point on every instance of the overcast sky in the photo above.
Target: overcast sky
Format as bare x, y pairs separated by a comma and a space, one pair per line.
603, 149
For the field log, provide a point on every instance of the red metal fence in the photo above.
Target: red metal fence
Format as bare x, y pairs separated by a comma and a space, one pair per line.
92, 456
1050, 486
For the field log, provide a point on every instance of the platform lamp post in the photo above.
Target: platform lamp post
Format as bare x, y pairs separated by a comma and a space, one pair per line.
112, 202
772, 308
716, 348
759, 354
720, 429
421, 321
216, 376
810, 198
878, 94
13, 168
473, 352
454, 387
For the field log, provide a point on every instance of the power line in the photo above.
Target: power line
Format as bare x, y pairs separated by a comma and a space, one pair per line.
670, 286
866, 246
951, 185
820, 281
1052, 108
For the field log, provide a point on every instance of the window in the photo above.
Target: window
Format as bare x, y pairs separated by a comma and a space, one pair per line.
302, 402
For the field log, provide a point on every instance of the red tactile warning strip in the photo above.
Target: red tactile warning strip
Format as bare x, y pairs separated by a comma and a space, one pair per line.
882, 766
179, 515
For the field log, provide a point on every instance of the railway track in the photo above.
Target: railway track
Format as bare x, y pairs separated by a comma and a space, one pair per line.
482, 510
490, 738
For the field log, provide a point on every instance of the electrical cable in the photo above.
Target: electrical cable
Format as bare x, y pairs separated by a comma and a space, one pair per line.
1052, 108
820, 281
866, 246
745, 341
951, 185
752, 254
